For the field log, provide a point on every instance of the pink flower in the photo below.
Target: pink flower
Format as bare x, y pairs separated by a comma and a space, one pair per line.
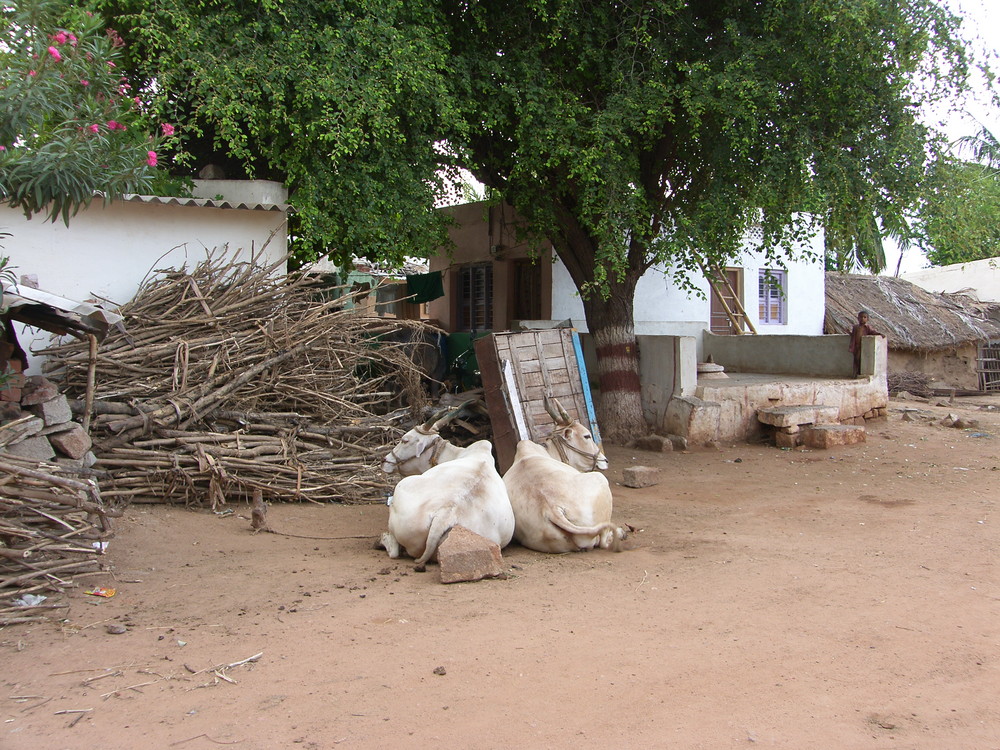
72, 39
55, 54
115, 125
151, 158
84, 82
168, 129
3, 148
59, 38
94, 128
32, 72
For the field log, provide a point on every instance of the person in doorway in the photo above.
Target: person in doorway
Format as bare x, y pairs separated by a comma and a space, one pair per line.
857, 333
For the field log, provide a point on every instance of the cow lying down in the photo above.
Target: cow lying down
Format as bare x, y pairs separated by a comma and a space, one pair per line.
556, 507
466, 491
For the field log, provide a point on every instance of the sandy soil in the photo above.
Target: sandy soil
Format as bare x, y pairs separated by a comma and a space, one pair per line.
785, 599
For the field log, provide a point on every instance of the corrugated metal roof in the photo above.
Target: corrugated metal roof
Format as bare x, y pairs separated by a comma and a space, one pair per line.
54, 313
207, 203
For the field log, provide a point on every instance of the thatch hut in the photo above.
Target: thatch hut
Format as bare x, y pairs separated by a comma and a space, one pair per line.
953, 339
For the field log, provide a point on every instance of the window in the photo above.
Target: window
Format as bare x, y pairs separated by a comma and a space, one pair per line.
771, 287
475, 298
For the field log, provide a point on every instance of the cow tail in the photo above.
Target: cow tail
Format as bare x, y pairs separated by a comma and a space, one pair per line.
601, 529
441, 524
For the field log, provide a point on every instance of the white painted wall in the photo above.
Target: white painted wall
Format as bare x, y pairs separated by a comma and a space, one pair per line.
662, 308
107, 250
980, 276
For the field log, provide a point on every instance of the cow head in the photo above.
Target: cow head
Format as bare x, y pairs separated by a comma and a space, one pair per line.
571, 442
419, 449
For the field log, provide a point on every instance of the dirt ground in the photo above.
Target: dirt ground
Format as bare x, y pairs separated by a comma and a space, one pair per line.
770, 598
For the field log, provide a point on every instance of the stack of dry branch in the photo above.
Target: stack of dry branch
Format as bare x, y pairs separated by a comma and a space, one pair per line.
917, 383
231, 377
51, 530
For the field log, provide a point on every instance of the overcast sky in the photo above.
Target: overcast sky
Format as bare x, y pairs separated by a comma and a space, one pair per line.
983, 19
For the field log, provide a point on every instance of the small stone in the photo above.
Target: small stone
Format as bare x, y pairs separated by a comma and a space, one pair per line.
464, 555
54, 411
37, 390
440, 671
640, 476
34, 448
116, 629
74, 442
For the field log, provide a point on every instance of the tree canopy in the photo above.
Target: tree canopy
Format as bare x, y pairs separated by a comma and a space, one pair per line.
627, 134
960, 215
343, 101
632, 134
70, 126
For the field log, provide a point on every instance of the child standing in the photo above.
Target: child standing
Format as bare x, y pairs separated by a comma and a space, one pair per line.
860, 330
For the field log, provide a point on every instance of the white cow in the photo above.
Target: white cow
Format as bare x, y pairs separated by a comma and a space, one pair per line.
466, 491
556, 507
423, 447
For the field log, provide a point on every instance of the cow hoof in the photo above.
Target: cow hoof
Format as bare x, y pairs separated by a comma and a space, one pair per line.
420, 568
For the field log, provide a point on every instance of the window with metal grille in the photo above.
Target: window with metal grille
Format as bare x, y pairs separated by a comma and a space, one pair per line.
475, 297
771, 288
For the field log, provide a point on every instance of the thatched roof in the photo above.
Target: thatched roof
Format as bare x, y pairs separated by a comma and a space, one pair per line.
910, 317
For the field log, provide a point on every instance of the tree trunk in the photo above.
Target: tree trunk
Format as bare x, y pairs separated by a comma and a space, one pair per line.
612, 324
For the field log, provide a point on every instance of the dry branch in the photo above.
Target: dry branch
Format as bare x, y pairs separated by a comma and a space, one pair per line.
232, 379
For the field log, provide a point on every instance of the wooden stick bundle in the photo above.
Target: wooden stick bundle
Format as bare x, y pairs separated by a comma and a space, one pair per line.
229, 378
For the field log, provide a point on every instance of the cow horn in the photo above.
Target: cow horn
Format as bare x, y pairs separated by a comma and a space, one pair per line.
559, 415
563, 414
437, 420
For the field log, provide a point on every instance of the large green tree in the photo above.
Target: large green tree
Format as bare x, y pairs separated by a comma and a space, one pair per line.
632, 134
342, 100
959, 217
628, 134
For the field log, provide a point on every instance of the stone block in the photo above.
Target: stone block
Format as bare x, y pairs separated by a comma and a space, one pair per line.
54, 411
679, 442
27, 426
787, 416
38, 390
831, 435
74, 442
655, 443
640, 476
34, 448
784, 439
464, 555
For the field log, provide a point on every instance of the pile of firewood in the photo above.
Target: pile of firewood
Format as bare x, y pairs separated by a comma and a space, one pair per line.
230, 378
917, 383
52, 529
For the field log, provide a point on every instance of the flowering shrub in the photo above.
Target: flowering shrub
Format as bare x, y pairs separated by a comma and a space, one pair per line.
70, 125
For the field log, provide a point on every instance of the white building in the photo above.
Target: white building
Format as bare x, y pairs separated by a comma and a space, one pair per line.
108, 250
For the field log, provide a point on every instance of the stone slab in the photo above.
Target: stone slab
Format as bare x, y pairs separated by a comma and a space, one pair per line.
787, 416
640, 476
464, 555
37, 390
34, 448
54, 411
832, 435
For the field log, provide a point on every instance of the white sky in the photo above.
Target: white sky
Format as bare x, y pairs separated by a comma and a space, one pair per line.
982, 18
